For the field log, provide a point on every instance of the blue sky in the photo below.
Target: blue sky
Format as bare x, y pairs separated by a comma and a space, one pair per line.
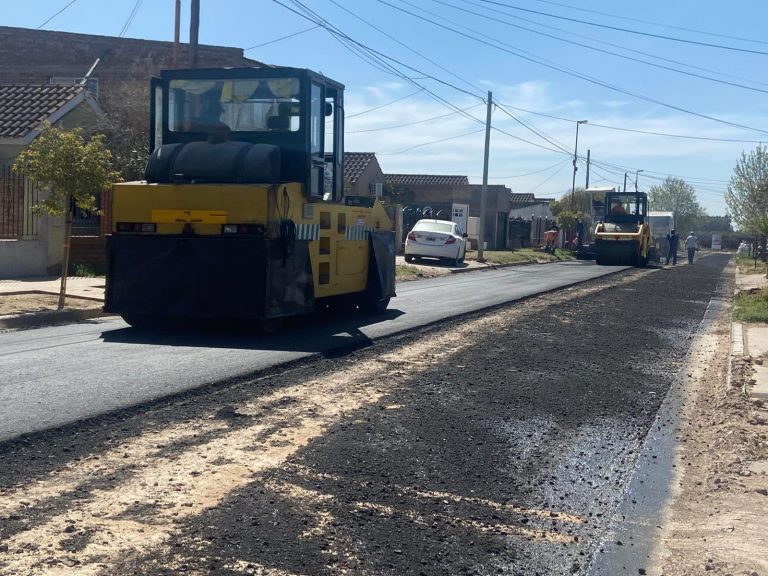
417, 100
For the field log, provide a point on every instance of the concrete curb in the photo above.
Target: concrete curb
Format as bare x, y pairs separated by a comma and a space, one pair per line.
737, 349
497, 266
38, 319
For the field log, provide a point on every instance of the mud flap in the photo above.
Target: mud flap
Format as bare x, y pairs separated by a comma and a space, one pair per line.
207, 277
381, 265
290, 287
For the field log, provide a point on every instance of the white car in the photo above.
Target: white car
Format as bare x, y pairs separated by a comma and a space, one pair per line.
441, 239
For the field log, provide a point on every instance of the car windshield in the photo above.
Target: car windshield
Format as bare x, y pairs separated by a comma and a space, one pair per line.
242, 105
445, 227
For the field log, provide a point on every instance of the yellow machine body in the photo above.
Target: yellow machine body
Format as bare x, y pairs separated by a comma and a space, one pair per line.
337, 233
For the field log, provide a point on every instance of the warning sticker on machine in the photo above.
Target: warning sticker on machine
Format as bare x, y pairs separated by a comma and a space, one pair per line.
189, 216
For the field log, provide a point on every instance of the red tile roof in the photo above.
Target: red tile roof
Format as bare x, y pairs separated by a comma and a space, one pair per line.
427, 179
24, 107
355, 164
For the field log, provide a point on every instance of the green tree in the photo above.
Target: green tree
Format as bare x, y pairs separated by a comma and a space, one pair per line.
397, 195
72, 171
747, 193
578, 202
676, 195
716, 223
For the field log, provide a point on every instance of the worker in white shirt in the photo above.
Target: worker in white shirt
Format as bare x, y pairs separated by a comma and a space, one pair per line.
691, 244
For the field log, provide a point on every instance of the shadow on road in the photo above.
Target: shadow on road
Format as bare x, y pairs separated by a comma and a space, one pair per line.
331, 336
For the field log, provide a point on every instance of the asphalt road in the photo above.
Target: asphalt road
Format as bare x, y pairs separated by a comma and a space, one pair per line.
57, 375
500, 443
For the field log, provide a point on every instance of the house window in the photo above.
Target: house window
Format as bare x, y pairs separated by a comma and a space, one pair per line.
92, 84
376, 189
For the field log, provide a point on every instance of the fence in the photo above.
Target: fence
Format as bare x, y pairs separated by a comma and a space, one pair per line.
17, 196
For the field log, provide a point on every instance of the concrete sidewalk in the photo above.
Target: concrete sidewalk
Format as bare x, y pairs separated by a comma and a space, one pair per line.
87, 292
749, 342
91, 288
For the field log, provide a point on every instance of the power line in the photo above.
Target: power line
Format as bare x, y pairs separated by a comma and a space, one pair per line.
544, 137
627, 30
601, 50
283, 37
652, 23
57, 13
378, 56
541, 62
532, 190
432, 142
410, 123
394, 39
132, 15
383, 105
527, 173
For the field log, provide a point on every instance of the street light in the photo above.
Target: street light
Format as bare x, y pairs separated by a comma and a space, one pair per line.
575, 158
636, 173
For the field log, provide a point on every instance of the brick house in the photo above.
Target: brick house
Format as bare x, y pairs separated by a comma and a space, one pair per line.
31, 245
362, 174
120, 69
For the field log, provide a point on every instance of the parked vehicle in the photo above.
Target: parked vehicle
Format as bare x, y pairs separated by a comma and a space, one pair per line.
440, 239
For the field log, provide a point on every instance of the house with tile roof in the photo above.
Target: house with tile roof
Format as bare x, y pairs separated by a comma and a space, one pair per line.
438, 193
29, 244
362, 174
50, 65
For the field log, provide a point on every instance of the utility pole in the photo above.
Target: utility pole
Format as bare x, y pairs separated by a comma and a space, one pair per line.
194, 27
177, 35
575, 159
625, 181
636, 173
586, 184
484, 191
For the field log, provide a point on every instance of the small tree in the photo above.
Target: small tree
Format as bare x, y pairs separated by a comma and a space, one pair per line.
394, 195
676, 195
73, 171
747, 194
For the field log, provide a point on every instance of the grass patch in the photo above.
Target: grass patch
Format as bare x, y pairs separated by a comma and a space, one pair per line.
407, 272
86, 270
751, 306
521, 255
748, 265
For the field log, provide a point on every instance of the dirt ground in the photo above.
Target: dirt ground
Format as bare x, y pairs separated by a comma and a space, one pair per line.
29, 302
500, 450
716, 524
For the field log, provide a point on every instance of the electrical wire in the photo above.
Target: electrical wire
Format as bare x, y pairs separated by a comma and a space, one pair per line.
522, 54
347, 117
432, 142
621, 47
600, 50
283, 37
57, 13
532, 190
381, 57
394, 39
129, 21
627, 30
520, 121
409, 123
562, 5
526, 174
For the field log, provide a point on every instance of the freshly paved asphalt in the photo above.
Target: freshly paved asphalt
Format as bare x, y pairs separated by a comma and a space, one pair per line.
57, 375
